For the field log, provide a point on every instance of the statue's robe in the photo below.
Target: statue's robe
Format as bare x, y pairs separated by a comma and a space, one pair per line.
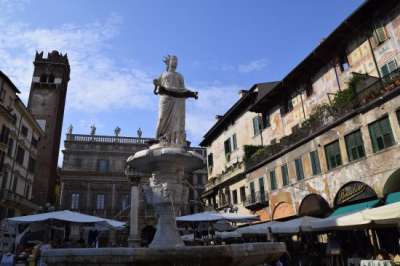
171, 116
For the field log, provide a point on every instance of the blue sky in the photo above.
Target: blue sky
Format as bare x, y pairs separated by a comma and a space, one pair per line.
115, 50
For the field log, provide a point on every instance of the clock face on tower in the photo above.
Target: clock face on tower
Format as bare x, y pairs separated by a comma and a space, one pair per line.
41, 99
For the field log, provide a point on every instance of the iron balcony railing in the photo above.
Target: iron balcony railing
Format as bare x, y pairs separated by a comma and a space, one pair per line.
256, 200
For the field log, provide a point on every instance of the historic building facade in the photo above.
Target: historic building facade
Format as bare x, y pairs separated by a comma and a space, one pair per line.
46, 103
93, 179
19, 137
329, 129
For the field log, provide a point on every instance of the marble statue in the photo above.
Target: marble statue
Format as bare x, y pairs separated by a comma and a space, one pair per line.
170, 87
93, 130
70, 129
139, 133
117, 131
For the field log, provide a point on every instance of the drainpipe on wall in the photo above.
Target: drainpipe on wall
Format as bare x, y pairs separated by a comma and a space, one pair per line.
374, 58
337, 77
302, 105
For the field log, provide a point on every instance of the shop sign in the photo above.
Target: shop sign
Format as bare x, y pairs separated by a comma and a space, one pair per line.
354, 191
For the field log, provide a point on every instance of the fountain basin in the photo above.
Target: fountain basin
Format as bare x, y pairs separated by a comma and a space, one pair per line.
154, 158
249, 254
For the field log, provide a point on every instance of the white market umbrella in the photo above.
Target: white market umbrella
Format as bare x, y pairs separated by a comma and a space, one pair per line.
387, 214
66, 216
337, 222
256, 229
215, 216
294, 226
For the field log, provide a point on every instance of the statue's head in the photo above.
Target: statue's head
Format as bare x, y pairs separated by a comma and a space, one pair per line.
171, 61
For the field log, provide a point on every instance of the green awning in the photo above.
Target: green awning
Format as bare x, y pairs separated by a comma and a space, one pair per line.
393, 197
355, 207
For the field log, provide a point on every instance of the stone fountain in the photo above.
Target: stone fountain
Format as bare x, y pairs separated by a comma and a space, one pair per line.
167, 162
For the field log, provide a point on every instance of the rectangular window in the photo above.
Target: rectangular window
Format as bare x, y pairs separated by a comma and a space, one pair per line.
252, 192
227, 146
256, 125
355, 146
20, 155
34, 141
285, 175
333, 157
103, 166
299, 169
398, 116
287, 106
315, 165
242, 194
272, 177
27, 190
125, 202
381, 134
5, 133
15, 183
309, 90
380, 34
388, 68
75, 201
266, 122
31, 165
235, 197
234, 142
344, 63
100, 202
4, 180
10, 147
24, 131
200, 179
262, 189
210, 160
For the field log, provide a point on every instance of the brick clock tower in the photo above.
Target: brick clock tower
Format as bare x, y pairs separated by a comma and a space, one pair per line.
46, 103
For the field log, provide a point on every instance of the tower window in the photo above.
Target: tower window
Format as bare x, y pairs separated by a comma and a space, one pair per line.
51, 78
43, 78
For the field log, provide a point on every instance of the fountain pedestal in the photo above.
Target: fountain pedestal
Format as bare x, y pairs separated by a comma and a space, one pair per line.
167, 166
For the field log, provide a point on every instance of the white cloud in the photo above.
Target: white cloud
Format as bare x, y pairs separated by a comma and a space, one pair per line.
252, 66
98, 83
213, 100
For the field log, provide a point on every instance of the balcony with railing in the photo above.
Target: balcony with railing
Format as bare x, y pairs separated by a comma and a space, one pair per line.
256, 200
106, 139
366, 93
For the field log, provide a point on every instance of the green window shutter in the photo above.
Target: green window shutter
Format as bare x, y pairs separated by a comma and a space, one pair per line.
256, 125
273, 180
227, 146
285, 175
299, 169
381, 134
355, 146
234, 142
333, 156
398, 116
385, 70
373, 136
315, 165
